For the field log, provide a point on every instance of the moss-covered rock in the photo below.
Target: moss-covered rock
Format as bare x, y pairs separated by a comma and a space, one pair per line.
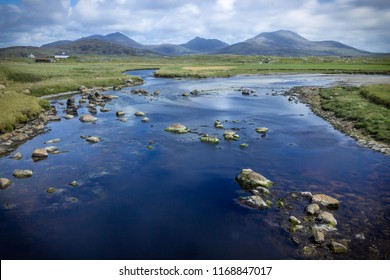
5, 183
209, 139
177, 128
262, 130
231, 135
249, 179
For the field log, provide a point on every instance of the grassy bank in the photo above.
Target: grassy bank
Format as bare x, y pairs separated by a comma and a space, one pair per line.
369, 115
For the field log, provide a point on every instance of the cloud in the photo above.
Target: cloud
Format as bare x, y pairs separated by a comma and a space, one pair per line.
359, 23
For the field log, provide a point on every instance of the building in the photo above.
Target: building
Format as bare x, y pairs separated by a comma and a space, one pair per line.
61, 56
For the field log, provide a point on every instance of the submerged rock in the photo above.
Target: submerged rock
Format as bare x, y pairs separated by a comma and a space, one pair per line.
123, 119
248, 179
53, 141
244, 145
325, 200
218, 124
209, 139
140, 114
20, 174
74, 183
5, 183
254, 201
93, 139
88, 118
231, 135
51, 190
177, 128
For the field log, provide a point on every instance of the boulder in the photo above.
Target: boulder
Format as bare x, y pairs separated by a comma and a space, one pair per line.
249, 179
312, 209
51, 149
326, 218
120, 113
262, 130
40, 153
53, 141
5, 183
93, 139
139, 114
325, 200
18, 173
177, 128
88, 118
254, 201
231, 135
209, 139
318, 236
338, 248
17, 156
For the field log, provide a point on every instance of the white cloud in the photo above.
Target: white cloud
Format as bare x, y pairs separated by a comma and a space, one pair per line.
359, 23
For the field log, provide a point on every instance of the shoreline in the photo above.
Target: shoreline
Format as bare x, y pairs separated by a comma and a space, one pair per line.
310, 95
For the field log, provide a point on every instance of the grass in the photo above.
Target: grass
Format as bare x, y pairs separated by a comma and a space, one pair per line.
17, 108
379, 94
350, 104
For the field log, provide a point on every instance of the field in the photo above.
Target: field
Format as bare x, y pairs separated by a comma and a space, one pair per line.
24, 79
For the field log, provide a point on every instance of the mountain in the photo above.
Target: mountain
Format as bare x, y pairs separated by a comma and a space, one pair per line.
202, 45
288, 43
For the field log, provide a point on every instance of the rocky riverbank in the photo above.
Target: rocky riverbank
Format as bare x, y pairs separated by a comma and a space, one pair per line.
311, 96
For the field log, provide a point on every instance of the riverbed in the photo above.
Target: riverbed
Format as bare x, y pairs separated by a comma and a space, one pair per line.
144, 193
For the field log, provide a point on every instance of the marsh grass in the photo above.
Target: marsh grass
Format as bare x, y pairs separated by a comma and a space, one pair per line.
348, 103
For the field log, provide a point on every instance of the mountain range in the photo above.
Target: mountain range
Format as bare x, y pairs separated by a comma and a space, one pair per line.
278, 43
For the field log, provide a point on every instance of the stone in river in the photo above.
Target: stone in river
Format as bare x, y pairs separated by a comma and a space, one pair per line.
51, 149
40, 154
231, 135
120, 113
253, 201
327, 218
53, 141
18, 173
262, 130
177, 128
139, 114
294, 220
249, 179
93, 139
325, 200
146, 119
209, 139
5, 183
318, 236
312, 208
17, 156
338, 248
88, 118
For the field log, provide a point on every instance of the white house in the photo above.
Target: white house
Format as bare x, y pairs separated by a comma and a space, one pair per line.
62, 55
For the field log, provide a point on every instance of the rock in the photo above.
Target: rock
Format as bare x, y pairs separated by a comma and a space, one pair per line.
88, 118
294, 220
306, 194
244, 145
245, 92
139, 114
156, 92
123, 119
51, 190
177, 128
146, 119
308, 251
18, 173
194, 92
74, 183
324, 227
83, 89
40, 153
2, 86
263, 190
318, 236
17, 156
253, 201
104, 110
338, 248
325, 200
68, 117
5, 183
185, 94
120, 113
312, 209
53, 141
93, 139
262, 130
54, 118
218, 124
208, 139
51, 149
248, 179
231, 135
327, 218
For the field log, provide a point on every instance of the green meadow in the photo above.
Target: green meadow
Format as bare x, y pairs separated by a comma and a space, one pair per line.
24, 80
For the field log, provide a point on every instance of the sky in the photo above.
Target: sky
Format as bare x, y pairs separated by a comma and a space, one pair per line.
363, 24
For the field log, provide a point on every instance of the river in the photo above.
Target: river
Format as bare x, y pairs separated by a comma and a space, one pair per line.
144, 193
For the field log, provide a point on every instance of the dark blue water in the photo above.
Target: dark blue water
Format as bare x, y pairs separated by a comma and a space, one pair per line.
178, 199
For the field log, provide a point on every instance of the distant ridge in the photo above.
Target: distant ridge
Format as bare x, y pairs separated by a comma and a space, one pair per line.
278, 43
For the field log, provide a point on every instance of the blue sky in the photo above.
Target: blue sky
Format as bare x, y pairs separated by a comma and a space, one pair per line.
359, 23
